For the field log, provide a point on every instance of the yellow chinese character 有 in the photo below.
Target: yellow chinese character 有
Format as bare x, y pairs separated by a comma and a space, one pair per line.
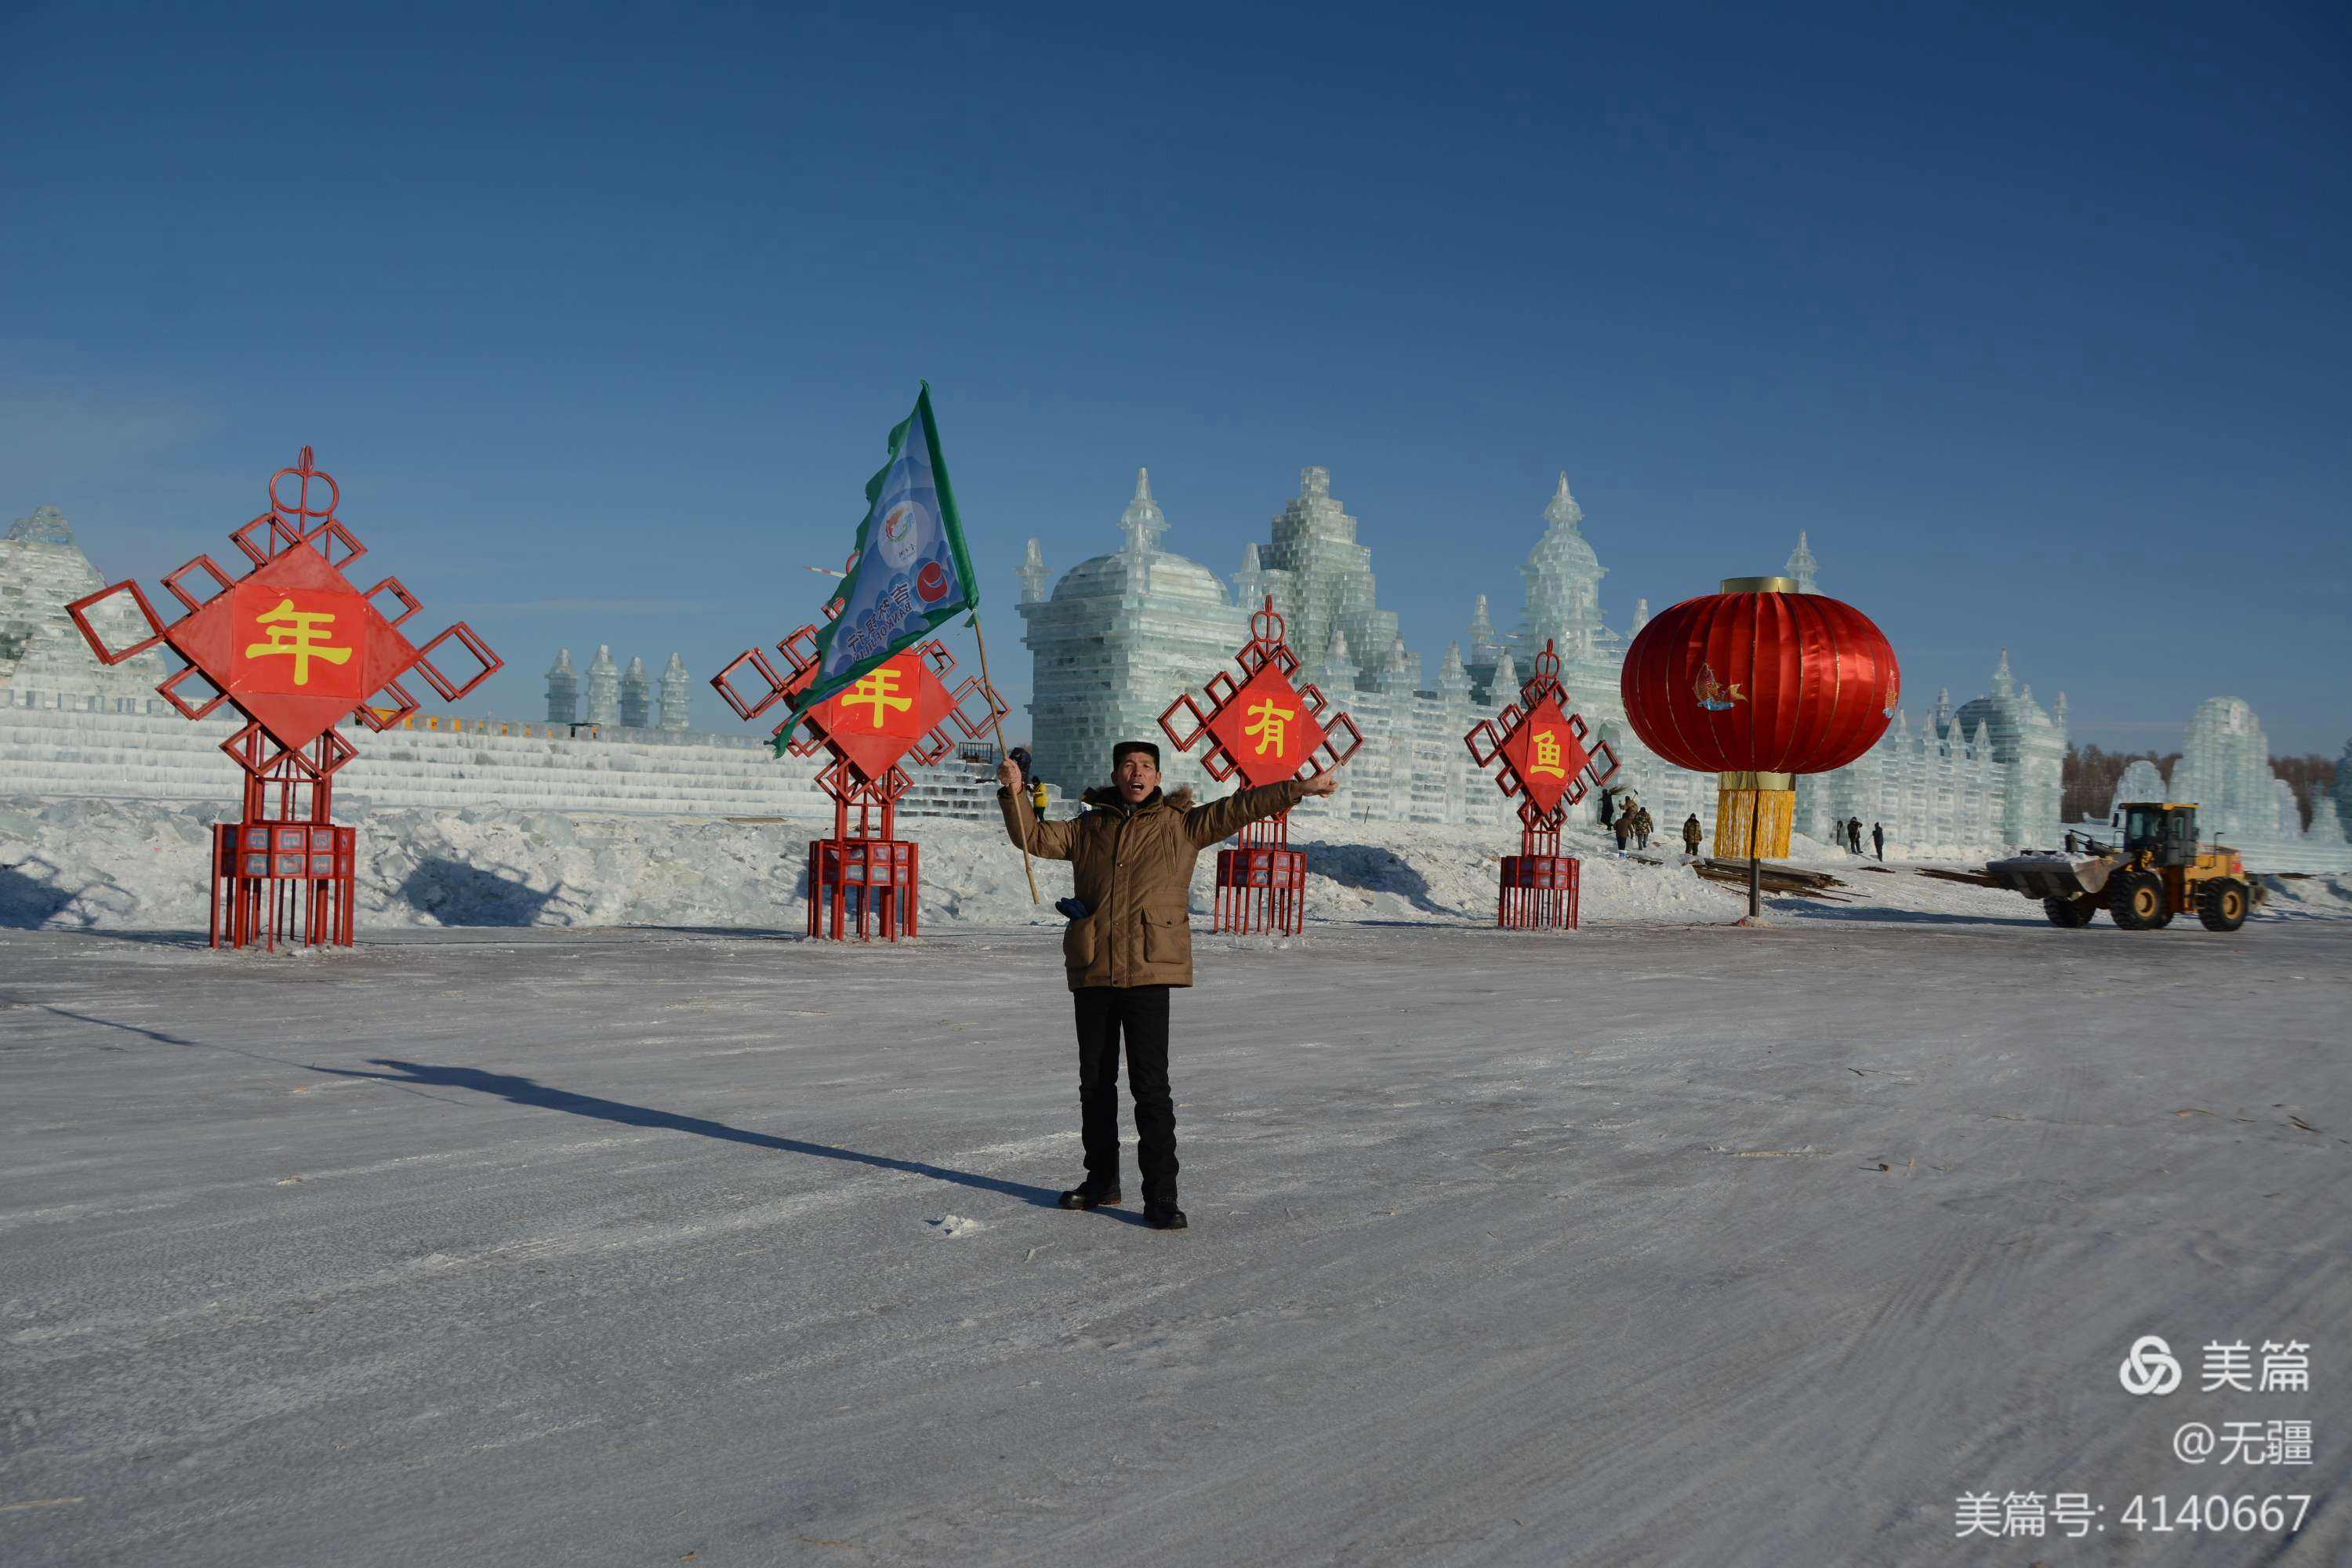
1545, 758
297, 634
1270, 727
878, 692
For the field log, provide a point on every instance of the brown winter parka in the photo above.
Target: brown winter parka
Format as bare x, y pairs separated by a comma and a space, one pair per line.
1133, 868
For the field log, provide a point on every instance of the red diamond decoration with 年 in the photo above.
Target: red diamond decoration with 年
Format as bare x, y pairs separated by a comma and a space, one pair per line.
295, 644
878, 718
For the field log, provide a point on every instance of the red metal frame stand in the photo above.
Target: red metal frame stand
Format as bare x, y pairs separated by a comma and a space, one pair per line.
1549, 761
1264, 729
295, 648
866, 880
286, 871
1262, 881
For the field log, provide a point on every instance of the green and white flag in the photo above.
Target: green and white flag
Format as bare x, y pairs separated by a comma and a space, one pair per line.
910, 571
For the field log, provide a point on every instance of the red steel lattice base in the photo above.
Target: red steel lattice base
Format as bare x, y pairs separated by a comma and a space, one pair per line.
1262, 884
289, 880
1540, 892
1261, 891
861, 884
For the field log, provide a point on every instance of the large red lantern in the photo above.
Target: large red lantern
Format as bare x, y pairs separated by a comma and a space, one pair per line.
1757, 684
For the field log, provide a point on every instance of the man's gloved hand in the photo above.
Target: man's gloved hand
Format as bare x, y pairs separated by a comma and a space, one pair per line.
1008, 774
1323, 783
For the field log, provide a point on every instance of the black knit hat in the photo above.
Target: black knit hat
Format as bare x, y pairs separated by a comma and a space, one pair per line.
1118, 752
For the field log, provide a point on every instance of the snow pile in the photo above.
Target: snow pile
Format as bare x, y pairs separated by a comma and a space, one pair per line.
2308, 896
951, 1224
89, 863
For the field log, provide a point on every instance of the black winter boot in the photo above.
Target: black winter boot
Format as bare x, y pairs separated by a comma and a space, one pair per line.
1089, 1196
1165, 1216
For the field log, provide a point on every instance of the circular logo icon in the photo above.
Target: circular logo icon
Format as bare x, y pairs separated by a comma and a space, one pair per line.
931, 582
904, 527
2150, 1368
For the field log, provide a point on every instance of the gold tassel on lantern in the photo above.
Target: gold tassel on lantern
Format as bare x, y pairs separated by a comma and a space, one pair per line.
1775, 797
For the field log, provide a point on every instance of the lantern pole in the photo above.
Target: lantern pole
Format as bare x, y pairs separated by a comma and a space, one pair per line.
1755, 869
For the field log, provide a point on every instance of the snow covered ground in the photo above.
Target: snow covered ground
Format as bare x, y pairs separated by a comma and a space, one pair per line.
1668, 1242
90, 864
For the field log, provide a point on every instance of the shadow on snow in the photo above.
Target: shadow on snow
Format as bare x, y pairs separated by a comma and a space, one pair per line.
520, 1090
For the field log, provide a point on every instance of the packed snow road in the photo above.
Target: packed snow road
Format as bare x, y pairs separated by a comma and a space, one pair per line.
1665, 1244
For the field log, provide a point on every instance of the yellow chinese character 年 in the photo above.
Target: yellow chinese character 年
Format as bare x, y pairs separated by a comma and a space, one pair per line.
879, 691
297, 634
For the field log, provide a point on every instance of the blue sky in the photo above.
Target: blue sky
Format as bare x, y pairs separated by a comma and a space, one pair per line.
2037, 324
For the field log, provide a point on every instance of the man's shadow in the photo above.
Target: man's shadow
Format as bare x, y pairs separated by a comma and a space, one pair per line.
521, 1090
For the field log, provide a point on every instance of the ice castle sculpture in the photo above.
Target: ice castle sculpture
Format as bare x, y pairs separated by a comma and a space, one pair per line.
563, 690
603, 687
627, 696
2030, 744
1120, 636
44, 660
1804, 567
676, 696
1321, 582
2225, 769
2140, 781
637, 696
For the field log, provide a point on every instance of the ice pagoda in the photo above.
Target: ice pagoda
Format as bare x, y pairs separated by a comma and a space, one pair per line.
1118, 638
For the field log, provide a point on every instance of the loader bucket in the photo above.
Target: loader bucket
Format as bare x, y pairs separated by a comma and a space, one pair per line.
2053, 876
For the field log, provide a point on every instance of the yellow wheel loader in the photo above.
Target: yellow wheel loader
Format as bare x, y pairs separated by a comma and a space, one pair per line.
2154, 870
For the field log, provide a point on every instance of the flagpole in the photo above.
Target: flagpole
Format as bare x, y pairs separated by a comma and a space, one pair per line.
997, 719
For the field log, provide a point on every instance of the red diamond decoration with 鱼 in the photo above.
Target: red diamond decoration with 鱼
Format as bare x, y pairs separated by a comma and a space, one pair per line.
1546, 755
876, 717
1266, 728
295, 646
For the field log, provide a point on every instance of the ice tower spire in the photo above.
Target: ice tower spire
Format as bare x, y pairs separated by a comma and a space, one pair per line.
603, 687
1453, 677
1483, 643
1249, 583
1033, 574
1339, 672
563, 690
1563, 509
636, 694
1804, 567
1563, 585
1143, 520
677, 699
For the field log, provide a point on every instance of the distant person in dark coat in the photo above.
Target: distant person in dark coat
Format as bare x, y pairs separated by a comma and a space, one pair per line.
1854, 835
1691, 834
1878, 840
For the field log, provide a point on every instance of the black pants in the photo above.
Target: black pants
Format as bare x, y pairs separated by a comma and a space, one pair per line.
1141, 1014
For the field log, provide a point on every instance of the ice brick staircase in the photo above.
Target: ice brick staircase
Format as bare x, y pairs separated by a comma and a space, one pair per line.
69, 751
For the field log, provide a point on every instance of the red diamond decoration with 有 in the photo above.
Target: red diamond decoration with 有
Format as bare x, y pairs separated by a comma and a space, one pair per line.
1545, 754
877, 717
295, 646
1266, 728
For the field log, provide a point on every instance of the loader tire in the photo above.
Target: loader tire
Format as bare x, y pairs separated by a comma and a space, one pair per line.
2071, 913
2136, 900
2222, 904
